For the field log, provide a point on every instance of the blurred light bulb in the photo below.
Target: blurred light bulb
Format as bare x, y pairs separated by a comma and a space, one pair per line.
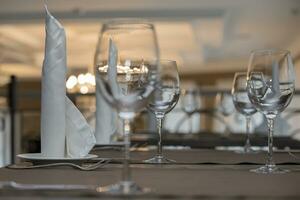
89, 78
71, 82
81, 79
84, 89
94, 81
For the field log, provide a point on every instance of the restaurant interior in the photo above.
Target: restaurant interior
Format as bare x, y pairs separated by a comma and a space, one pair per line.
204, 146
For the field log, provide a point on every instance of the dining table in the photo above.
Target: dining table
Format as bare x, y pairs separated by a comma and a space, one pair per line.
196, 174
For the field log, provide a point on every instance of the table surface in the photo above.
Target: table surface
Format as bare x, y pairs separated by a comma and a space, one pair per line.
207, 174
211, 140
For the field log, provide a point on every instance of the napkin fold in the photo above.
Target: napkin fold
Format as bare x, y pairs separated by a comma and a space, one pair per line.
64, 130
275, 79
112, 70
106, 116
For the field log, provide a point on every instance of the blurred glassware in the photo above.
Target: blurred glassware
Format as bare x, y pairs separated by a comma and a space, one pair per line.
224, 108
190, 104
224, 103
270, 85
164, 99
243, 105
127, 66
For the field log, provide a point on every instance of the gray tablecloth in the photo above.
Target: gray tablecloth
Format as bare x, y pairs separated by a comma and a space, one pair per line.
195, 156
182, 181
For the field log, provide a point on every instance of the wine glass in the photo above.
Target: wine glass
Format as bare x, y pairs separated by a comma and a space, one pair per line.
164, 99
270, 86
127, 66
190, 104
243, 105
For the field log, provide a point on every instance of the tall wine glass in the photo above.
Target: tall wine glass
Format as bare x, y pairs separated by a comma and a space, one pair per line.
270, 86
243, 105
127, 66
164, 99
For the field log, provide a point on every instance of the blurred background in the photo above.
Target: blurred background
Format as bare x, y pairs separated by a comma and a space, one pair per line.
209, 39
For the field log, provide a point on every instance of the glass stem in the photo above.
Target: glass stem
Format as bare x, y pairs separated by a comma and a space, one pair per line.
270, 161
159, 127
248, 121
126, 168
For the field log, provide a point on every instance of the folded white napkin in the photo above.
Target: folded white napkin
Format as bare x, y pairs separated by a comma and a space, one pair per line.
275, 79
106, 116
112, 70
64, 131
106, 119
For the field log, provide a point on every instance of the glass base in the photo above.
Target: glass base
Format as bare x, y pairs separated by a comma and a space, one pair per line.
159, 159
269, 169
124, 188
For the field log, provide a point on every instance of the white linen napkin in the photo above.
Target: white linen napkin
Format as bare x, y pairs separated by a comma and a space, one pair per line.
106, 116
112, 70
64, 131
275, 80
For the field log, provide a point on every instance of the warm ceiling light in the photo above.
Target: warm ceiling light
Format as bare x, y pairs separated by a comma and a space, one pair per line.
71, 82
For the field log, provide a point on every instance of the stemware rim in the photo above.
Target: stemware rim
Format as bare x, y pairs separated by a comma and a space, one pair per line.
235, 78
168, 60
167, 63
240, 73
269, 51
119, 23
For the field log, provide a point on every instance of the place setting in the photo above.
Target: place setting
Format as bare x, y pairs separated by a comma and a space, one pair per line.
66, 137
141, 121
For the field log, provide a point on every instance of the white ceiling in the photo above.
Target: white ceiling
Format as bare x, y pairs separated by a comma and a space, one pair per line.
202, 35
